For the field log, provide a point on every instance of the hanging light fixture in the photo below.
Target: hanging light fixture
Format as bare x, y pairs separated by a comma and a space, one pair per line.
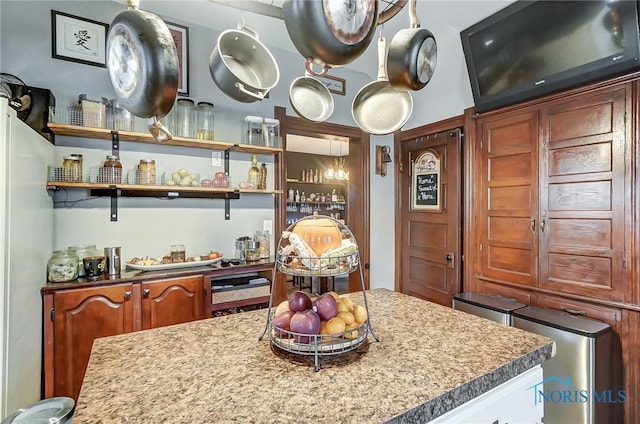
330, 173
336, 171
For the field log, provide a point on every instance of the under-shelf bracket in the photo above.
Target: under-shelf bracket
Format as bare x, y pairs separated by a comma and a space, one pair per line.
227, 209
114, 203
115, 143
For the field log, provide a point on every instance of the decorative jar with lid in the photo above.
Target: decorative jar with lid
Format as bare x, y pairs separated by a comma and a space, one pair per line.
62, 266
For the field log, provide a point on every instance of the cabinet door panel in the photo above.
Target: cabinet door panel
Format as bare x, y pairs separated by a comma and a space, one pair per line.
508, 197
584, 167
173, 301
520, 295
80, 317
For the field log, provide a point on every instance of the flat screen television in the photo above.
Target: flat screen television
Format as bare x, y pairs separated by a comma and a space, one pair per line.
533, 48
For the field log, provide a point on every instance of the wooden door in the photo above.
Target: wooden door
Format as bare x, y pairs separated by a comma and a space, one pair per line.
507, 222
430, 235
80, 317
585, 175
172, 301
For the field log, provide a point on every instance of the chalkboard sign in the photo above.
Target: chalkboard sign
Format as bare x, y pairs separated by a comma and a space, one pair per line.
427, 189
426, 181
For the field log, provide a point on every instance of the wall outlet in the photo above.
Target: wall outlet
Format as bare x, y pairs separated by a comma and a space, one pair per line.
267, 225
216, 158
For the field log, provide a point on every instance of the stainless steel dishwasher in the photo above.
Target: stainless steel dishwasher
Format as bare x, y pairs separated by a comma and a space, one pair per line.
578, 379
495, 308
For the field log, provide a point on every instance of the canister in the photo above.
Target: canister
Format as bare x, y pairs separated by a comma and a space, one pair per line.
94, 111
185, 118
112, 258
111, 171
147, 171
253, 130
251, 250
204, 126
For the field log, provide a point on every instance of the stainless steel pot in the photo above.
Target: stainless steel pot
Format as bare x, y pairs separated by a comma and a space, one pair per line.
142, 62
310, 98
412, 55
378, 108
330, 32
242, 67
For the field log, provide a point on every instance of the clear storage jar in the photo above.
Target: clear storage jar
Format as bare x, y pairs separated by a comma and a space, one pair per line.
72, 169
185, 118
62, 266
111, 171
204, 121
147, 170
262, 237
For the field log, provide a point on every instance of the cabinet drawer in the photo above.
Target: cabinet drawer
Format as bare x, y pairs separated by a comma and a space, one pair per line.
610, 315
509, 292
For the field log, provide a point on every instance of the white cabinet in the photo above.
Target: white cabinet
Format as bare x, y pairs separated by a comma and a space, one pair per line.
509, 403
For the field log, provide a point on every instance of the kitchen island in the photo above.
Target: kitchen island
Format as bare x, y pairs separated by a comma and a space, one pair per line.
430, 360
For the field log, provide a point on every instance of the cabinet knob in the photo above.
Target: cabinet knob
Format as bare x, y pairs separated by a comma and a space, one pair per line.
145, 292
127, 295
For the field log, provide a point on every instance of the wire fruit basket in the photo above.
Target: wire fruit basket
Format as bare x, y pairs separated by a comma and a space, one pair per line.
319, 246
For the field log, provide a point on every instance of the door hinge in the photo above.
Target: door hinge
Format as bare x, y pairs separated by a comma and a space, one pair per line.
52, 313
624, 264
481, 247
400, 167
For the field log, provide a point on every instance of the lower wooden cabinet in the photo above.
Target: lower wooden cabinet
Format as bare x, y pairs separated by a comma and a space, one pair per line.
74, 318
172, 301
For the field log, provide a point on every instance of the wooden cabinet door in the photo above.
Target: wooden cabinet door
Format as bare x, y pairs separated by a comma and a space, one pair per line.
585, 175
508, 192
172, 301
81, 316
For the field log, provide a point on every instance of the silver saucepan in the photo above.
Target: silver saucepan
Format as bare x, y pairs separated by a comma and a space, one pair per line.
310, 98
378, 108
412, 55
241, 66
142, 62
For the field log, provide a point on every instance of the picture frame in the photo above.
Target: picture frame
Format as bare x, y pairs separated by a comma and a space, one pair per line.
180, 35
78, 39
335, 85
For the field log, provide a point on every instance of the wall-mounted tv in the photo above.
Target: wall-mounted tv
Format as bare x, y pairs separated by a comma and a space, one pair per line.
533, 48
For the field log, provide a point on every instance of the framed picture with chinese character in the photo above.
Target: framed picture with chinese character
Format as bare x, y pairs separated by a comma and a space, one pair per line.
181, 38
78, 39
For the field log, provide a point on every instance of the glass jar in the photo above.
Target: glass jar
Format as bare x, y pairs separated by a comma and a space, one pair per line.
79, 164
83, 252
111, 170
185, 118
147, 170
262, 237
254, 173
251, 251
254, 130
204, 121
118, 118
178, 253
62, 266
71, 169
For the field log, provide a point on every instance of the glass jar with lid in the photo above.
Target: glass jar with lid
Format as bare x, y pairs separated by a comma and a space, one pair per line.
62, 266
185, 118
204, 121
111, 171
82, 252
147, 171
72, 169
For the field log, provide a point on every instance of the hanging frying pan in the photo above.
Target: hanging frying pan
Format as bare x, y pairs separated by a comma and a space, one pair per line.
412, 55
378, 108
310, 98
330, 32
142, 63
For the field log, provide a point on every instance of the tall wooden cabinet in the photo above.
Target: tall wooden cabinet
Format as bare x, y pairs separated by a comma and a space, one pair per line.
554, 193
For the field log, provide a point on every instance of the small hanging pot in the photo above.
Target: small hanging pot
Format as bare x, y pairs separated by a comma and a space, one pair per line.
310, 98
142, 62
241, 66
412, 55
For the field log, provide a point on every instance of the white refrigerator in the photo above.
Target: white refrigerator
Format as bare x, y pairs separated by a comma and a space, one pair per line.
26, 242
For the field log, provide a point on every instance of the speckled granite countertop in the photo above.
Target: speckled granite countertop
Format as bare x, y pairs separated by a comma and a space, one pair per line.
430, 360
